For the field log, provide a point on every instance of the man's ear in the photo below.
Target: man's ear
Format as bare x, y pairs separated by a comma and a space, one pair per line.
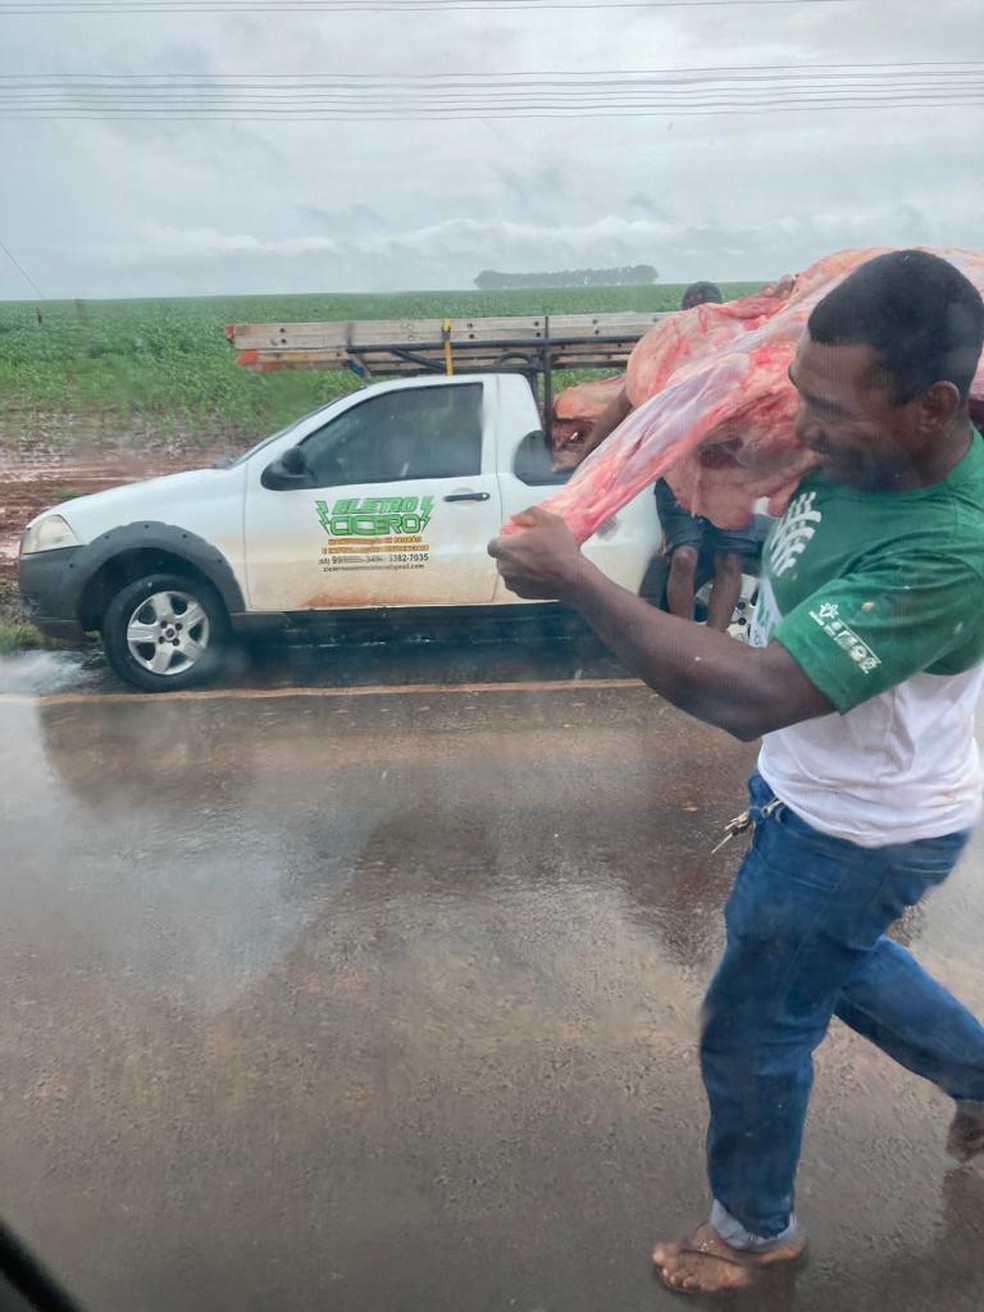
936, 408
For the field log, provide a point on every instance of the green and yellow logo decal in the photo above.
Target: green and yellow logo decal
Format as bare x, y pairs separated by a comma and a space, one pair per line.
375, 517
375, 533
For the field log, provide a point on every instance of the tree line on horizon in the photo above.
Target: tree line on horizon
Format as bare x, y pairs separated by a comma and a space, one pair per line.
635, 275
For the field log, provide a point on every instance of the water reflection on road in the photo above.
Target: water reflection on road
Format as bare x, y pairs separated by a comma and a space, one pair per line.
389, 999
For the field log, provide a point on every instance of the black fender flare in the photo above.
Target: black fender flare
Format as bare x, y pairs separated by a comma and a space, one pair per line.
152, 535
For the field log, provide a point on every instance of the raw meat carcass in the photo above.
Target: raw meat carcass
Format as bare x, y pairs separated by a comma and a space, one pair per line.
714, 407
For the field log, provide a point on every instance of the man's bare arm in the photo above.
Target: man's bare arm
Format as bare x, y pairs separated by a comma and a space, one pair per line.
744, 690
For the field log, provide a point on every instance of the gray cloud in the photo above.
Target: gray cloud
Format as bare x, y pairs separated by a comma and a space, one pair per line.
129, 208
353, 218
546, 183
639, 201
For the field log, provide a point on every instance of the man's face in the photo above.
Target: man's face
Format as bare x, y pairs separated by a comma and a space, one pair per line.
847, 416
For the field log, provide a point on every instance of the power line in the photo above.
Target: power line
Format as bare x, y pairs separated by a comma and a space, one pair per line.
408, 90
334, 96
943, 67
549, 86
22, 271
149, 7
580, 104
488, 114
434, 84
484, 116
396, 97
497, 92
488, 110
471, 117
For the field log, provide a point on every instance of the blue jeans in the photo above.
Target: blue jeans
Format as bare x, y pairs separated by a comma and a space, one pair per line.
806, 925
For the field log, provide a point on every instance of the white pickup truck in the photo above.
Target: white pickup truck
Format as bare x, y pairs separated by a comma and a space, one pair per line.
382, 501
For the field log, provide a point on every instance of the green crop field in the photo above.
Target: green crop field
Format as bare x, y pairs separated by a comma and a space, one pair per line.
163, 368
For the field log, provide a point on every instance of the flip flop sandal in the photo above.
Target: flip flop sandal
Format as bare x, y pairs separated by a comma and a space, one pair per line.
750, 1262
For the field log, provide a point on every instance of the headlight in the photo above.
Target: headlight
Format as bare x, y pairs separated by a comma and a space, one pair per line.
48, 534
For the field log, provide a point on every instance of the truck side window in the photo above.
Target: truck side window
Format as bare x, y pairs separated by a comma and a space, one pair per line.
424, 432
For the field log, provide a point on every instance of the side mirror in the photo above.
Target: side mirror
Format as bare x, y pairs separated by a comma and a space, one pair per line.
287, 473
534, 465
293, 461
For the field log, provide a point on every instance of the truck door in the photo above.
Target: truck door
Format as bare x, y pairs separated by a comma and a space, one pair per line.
397, 502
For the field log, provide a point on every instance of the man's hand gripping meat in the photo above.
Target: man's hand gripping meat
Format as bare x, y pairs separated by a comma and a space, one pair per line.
745, 691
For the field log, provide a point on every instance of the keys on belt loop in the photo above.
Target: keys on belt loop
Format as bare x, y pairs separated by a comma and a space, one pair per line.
733, 828
742, 823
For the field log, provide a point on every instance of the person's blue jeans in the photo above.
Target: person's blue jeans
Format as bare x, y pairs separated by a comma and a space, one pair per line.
806, 925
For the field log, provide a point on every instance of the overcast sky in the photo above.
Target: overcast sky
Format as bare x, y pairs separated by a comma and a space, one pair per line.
172, 208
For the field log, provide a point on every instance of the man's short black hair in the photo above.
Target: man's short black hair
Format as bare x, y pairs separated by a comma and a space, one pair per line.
922, 316
699, 293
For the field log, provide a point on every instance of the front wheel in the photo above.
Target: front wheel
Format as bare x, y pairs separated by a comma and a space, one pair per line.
163, 632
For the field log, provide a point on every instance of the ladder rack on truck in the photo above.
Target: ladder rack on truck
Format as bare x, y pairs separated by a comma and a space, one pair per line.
534, 345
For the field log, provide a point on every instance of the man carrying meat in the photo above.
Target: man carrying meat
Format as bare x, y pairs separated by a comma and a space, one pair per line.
862, 682
686, 536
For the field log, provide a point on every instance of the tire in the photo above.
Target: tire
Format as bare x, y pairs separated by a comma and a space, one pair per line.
653, 590
150, 643
741, 621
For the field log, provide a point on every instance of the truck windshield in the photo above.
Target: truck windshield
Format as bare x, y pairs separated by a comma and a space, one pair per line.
281, 432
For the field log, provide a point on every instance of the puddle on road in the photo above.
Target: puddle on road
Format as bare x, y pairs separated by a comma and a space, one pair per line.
276, 960
346, 664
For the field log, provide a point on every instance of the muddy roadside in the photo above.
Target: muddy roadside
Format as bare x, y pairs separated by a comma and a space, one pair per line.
73, 456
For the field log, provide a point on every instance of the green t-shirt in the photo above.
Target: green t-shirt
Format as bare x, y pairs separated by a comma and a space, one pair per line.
873, 587
879, 598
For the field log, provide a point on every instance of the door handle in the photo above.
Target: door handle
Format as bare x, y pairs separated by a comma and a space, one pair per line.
468, 496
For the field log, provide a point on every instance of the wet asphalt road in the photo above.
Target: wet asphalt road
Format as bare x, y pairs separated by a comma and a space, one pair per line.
364, 998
